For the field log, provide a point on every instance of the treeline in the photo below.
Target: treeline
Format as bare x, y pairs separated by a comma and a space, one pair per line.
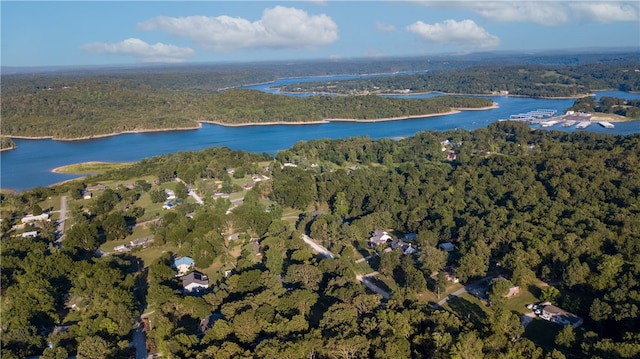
550, 205
618, 106
93, 108
516, 79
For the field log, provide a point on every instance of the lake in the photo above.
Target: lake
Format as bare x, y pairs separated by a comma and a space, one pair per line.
31, 163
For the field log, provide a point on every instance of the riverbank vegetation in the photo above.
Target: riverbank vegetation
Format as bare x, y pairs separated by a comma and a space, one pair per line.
531, 80
530, 206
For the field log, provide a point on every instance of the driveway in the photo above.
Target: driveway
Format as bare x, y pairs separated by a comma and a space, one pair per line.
318, 248
364, 279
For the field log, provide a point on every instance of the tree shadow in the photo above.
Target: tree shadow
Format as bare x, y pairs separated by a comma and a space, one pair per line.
534, 290
469, 311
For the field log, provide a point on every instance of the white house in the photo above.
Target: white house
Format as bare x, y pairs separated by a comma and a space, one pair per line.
39, 218
379, 237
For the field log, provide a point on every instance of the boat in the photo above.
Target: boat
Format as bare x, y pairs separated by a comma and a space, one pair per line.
583, 124
548, 123
606, 124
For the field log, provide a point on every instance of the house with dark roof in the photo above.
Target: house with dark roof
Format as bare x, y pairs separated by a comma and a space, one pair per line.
195, 282
560, 316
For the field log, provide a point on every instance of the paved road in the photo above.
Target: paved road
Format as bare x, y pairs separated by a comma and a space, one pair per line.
450, 296
318, 248
63, 218
192, 193
364, 279
140, 341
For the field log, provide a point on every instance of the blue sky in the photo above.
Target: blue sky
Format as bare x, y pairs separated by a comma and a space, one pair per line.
74, 33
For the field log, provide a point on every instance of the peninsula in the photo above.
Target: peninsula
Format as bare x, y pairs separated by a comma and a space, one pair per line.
74, 113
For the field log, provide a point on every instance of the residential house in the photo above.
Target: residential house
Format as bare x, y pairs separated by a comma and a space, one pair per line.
31, 218
30, 234
183, 264
121, 248
195, 282
560, 316
141, 242
170, 194
379, 237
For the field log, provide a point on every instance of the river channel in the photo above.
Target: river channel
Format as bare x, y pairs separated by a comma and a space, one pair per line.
30, 164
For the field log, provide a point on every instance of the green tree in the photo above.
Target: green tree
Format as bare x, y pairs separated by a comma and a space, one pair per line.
93, 347
566, 337
158, 195
115, 226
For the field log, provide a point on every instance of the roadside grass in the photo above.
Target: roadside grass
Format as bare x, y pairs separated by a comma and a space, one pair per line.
92, 167
362, 268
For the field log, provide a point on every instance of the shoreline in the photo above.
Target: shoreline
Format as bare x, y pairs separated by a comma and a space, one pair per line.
316, 122
93, 137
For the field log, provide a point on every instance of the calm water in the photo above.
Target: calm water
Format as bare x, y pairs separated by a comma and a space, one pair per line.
31, 163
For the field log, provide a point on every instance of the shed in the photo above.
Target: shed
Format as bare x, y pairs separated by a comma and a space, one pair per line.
446, 246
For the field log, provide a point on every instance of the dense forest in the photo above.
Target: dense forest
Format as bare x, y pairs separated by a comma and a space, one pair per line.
532, 80
93, 108
531, 206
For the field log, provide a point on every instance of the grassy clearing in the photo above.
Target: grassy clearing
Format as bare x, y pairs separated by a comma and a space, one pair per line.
362, 268
91, 167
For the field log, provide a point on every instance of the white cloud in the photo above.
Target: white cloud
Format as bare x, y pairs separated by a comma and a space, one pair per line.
381, 26
606, 11
279, 27
158, 52
465, 34
544, 13
547, 13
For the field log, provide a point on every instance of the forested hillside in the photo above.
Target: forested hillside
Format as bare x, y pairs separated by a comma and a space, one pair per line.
513, 79
555, 213
92, 108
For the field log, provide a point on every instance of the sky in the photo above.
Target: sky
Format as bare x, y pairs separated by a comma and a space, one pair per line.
80, 33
